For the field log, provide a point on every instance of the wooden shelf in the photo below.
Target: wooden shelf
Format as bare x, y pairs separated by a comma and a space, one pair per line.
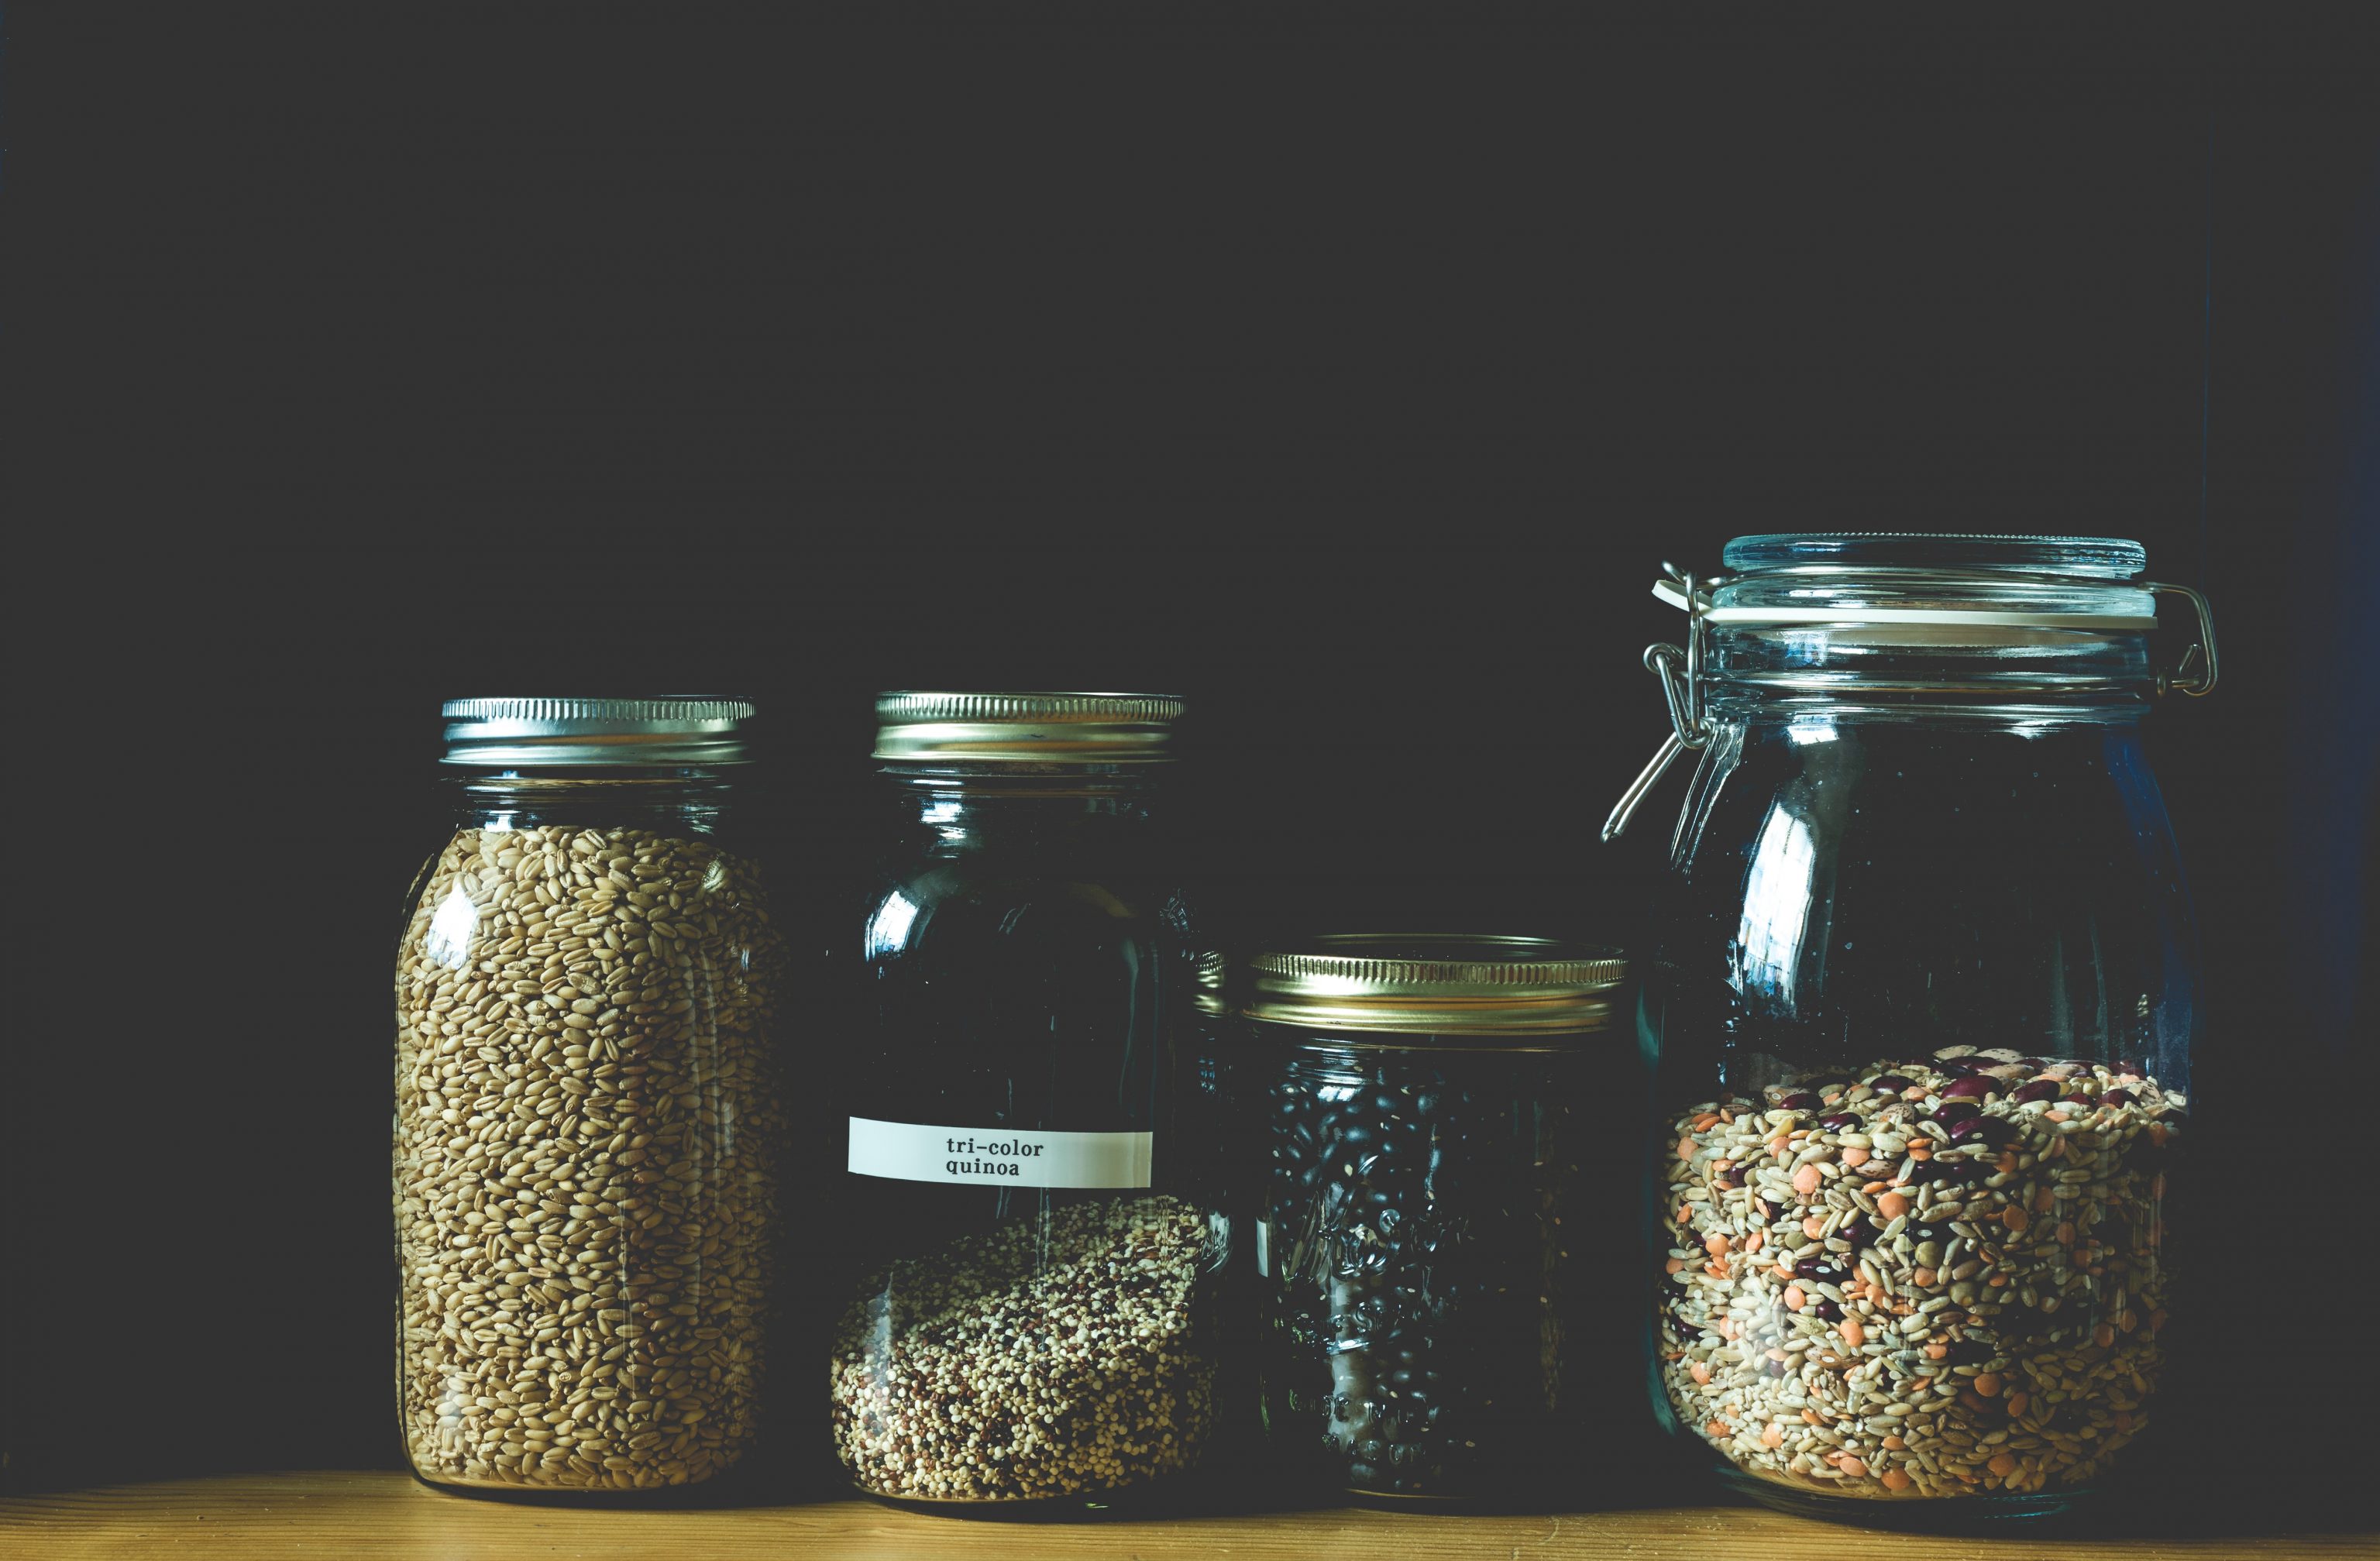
379, 1513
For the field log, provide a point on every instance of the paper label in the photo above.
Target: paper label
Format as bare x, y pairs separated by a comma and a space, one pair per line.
998, 1157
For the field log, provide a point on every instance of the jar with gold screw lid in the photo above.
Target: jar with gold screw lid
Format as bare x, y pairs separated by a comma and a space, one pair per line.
1447, 1118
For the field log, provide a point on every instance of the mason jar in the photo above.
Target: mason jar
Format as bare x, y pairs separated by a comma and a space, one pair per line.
1450, 1118
587, 1116
1925, 1008
1030, 1313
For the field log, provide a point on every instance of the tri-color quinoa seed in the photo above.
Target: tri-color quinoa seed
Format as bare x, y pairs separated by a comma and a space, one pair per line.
1938, 1279
1053, 1356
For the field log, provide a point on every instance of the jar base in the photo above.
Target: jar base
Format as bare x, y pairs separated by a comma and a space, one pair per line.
1177, 1494
733, 1486
1954, 1513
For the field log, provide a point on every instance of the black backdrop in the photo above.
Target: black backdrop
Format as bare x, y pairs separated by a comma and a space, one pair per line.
1351, 377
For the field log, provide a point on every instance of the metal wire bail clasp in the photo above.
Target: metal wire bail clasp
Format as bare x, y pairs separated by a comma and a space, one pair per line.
1680, 672
2180, 680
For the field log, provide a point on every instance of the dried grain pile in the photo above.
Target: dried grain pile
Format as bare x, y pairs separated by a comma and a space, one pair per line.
1056, 1355
584, 1137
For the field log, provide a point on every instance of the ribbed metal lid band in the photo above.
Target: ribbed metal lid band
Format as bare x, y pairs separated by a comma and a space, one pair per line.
1030, 727
551, 732
1420, 975
1478, 987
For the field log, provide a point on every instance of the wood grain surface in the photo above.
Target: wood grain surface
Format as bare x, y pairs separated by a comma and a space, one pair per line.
382, 1513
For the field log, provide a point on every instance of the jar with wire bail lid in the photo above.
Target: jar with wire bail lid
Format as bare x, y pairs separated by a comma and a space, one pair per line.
1925, 1007
1450, 1139
1030, 1313
587, 1116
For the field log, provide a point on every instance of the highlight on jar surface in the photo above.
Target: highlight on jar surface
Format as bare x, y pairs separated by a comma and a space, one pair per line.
1434, 1332
585, 1118
1031, 1306
1921, 1279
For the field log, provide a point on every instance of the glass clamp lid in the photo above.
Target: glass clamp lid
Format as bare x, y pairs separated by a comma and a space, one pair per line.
1493, 992
1980, 604
536, 733
925, 727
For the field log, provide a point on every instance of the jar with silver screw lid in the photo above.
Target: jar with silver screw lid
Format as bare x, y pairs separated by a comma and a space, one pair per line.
1029, 1320
586, 1122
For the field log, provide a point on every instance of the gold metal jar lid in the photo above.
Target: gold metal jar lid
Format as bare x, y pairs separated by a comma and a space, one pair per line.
1478, 987
919, 726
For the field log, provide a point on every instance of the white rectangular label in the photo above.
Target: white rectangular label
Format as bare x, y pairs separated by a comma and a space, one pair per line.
999, 1157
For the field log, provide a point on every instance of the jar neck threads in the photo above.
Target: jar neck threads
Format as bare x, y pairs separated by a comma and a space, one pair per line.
1044, 808
672, 800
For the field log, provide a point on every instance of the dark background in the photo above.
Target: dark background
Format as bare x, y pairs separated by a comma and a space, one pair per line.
1352, 376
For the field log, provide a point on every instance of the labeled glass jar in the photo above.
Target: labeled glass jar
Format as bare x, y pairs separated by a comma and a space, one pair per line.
1032, 1312
1439, 1108
586, 1118
1925, 1009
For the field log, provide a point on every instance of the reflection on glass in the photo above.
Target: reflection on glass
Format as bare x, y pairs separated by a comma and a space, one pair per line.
887, 929
1775, 901
449, 941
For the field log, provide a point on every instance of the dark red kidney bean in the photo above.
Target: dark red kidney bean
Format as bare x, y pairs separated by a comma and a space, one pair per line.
1966, 1128
1893, 1081
2040, 1089
1841, 1119
1976, 1086
2073, 1097
1954, 1112
1828, 1310
1801, 1100
2117, 1097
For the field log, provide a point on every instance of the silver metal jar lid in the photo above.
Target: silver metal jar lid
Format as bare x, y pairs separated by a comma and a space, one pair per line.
542, 732
924, 726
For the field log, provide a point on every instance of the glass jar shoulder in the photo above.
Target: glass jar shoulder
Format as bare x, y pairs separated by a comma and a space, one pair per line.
920, 908
1987, 883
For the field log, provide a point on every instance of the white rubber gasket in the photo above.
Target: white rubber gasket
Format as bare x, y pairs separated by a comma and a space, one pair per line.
1781, 617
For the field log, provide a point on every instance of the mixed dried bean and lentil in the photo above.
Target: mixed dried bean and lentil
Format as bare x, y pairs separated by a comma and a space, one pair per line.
1931, 1279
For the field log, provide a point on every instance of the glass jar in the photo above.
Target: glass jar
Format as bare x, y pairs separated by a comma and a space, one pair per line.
1031, 1316
1439, 1106
586, 1122
1924, 1009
